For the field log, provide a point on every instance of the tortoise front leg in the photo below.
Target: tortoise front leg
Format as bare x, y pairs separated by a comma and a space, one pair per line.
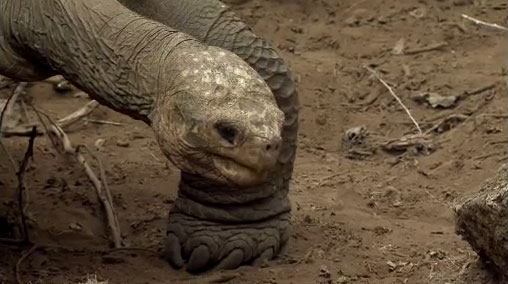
212, 227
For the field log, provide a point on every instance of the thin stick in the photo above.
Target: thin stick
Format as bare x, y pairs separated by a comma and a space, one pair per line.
21, 185
395, 96
4, 110
102, 191
430, 47
477, 91
485, 156
59, 137
108, 199
24, 130
478, 22
9, 156
19, 88
21, 259
77, 115
98, 121
133, 249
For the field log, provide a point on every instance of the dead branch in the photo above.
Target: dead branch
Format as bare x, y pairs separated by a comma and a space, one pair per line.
447, 123
395, 96
127, 249
24, 130
488, 155
419, 142
77, 115
7, 109
476, 91
482, 23
106, 198
101, 188
21, 184
427, 48
9, 156
62, 143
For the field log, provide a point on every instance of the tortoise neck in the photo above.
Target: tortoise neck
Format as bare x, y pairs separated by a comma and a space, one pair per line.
206, 200
118, 57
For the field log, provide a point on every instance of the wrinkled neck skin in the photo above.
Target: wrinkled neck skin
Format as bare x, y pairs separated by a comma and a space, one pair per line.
120, 59
106, 50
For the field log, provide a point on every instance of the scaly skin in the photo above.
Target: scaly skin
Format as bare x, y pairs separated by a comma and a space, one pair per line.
215, 24
212, 115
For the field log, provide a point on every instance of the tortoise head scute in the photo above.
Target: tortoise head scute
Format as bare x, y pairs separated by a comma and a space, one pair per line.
220, 120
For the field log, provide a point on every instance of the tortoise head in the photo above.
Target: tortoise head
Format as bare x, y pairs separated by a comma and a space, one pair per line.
220, 119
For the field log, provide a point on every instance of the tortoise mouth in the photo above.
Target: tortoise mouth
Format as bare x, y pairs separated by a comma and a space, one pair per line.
238, 173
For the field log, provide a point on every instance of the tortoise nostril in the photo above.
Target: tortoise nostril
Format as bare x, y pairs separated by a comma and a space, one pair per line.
273, 146
227, 132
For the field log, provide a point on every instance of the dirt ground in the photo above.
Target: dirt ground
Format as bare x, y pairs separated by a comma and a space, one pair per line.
361, 214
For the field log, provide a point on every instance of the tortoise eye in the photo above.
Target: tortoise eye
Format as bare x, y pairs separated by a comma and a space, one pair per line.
228, 132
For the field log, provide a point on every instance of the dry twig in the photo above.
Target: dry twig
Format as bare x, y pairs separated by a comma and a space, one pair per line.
21, 259
7, 109
77, 115
20, 171
60, 138
100, 187
420, 142
429, 47
24, 130
98, 121
482, 23
447, 123
395, 96
21, 184
9, 156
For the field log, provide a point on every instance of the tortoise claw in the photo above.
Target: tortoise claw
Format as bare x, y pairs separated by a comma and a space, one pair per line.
173, 251
201, 245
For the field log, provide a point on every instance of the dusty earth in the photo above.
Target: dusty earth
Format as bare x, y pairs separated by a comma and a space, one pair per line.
361, 214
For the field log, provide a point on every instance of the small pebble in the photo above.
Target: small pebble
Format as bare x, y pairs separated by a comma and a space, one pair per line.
99, 143
75, 227
324, 272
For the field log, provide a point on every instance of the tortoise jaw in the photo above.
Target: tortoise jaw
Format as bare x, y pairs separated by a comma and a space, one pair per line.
238, 173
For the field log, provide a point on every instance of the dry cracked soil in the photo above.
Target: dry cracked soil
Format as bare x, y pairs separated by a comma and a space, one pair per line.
368, 207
